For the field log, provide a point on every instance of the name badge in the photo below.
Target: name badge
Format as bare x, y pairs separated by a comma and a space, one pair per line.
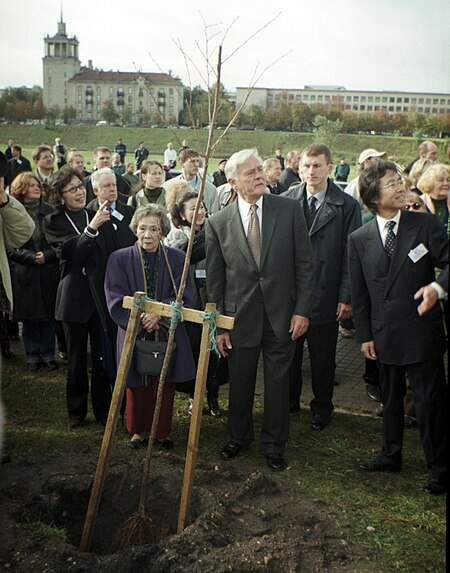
417, 253
117, 215
200, 274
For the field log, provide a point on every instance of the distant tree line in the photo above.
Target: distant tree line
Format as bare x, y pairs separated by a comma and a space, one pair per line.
25, 104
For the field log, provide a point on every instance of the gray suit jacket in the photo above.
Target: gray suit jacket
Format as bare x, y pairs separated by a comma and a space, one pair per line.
284, 284
384, 309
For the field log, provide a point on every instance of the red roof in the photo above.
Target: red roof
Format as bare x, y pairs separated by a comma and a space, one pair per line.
88, 75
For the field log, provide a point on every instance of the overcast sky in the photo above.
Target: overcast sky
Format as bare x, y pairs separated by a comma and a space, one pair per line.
359, 44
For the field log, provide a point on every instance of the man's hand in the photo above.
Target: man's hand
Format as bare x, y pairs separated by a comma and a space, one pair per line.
368, 350
224, 343
344, 311
150, 321
39, 258
299, 325
430, 297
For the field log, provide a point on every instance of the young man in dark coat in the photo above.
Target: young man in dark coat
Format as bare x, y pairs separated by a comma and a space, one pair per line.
331, 216
390, 259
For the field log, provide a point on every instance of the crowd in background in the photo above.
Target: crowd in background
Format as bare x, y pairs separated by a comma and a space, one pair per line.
98, 236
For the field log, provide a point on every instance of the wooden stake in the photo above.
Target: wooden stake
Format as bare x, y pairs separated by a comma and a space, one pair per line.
196, 422
111, 424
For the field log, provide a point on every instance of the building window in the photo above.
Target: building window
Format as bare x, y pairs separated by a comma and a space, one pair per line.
362, 107
141, 92
130, 90
369, 107
355, 98
320, 98
363, 98
391, 108
406, 100
385, 99
377, 99
399, 100
170, 109
434, 110
421, 100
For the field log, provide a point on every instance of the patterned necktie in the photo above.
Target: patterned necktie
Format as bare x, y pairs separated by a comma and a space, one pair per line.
254, 235
312, 205
389, 243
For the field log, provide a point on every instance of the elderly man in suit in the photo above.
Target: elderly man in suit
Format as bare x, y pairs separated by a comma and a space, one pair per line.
390, 259
259, 269
331, 216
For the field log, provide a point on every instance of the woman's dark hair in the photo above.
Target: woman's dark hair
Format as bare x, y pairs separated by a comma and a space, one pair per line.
60, 180
179, 208
145, 168
369, 182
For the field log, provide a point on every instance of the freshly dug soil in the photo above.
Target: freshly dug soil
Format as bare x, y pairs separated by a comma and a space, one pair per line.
241, 520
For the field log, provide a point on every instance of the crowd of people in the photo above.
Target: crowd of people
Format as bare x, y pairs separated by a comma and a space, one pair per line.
292, 255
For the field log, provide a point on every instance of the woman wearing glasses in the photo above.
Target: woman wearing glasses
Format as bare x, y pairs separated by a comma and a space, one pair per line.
73, 232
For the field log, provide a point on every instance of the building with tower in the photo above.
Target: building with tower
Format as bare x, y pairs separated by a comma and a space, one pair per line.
136, 97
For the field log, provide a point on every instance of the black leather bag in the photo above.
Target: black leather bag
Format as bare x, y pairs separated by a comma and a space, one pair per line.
149, 356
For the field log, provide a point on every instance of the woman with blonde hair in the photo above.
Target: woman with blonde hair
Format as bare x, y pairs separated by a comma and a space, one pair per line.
435, 186
35, 278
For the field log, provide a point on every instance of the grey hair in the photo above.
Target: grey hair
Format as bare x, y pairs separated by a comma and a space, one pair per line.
95, 177
237, 159
151, 210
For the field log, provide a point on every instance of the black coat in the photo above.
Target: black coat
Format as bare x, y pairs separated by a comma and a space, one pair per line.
16, 166
35, 286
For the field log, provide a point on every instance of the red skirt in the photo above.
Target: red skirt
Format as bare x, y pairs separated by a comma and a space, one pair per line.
141, 406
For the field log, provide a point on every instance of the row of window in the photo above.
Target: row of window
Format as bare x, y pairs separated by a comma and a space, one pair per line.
120, 91
120, 108
362, 99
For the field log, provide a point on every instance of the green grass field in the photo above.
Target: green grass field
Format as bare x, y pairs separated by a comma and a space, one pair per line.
400, 149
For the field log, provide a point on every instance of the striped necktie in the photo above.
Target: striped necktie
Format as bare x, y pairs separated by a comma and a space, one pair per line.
254, 235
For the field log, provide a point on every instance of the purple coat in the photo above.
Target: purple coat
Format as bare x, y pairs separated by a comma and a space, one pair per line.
125, 276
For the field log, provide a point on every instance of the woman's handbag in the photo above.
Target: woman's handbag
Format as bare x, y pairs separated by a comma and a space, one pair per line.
149, 355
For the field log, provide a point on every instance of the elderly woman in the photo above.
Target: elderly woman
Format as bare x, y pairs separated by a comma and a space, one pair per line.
150, 267
150, 190
182, 216
435, 186
73, 232
35, 276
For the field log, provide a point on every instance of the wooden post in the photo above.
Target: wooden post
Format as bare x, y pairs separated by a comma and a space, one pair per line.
138, 304
113, 416
196, 422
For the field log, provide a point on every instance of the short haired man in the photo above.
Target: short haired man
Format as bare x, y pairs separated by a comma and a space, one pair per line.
103, 158
390, 259
331, 216
170, 157
121, 149
60, 152
130, 177
272, 172
17, 164
44, 163
427, 150
290, 174
342, 170
219, 177
116, 234
117, 166
190, 163
259, 269
141, 154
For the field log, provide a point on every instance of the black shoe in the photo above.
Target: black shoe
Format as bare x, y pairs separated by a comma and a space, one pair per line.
74, 423
319, 422
378, 466
33, 367
165, 443
51, 366
275, 462
294, 407
373, 392
7, 354
434, 486
230, 451
137, 443
409, 422
5, 458
213, 407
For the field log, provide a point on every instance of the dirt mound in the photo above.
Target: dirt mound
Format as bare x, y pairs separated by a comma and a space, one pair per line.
240, 520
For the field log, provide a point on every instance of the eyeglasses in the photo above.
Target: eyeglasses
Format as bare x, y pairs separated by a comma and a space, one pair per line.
45, 157
74, 189
415, 206
392, 184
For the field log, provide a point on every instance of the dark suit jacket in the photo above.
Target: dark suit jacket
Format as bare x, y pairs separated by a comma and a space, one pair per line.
289, 177
284, 284
384, 309
123, 188
15, 167
339, 216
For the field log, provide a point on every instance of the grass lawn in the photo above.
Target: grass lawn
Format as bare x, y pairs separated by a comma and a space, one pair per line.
386, 513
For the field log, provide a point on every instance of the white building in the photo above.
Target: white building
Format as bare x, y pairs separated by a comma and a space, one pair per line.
341, 98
